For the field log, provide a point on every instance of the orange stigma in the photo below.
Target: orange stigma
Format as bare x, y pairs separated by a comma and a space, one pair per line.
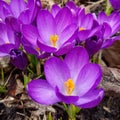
81, 28
69, 86
54, 39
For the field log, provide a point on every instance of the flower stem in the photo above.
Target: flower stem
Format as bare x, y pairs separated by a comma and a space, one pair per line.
2, 75
71, 111
108, 8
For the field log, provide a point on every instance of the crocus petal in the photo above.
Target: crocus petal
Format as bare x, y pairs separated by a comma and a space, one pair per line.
4, 10
87, 19
108, 43
81, 16
63, 19
75, 60
30, 33
88, 79
5, 48
83, 35
31, 50
13, 23
40, 91
43, 55
3, 54
115, 4
65, 48
91, 99
46, 26
3, 34
95, 30
34, 6
93, 45
18, 58
46, 48
102, 17
25, 17
17, 6
55, 9
67, 33
116, 27
56, 72
71, 5
65, 98
108, 30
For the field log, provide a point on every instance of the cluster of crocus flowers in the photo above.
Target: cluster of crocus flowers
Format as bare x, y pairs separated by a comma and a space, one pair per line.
53, 34
12, 16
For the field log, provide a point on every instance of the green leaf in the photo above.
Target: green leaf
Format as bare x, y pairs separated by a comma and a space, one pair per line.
26, 80
3, 89
49, 116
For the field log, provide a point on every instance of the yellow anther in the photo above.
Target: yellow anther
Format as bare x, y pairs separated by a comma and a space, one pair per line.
81, 28
69, 86
54, 39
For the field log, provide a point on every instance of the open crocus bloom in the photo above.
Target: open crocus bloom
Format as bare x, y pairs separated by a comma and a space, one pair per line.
73, 80
55, 32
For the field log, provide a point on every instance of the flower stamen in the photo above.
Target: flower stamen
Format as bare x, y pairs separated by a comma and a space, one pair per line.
81, 28
54, 39
69, 86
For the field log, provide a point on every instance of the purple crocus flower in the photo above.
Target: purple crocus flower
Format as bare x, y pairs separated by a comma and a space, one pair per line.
73, 8
73, 80
18, 59
19, 12
30, 41
93, 44
84, 28
115, 4
112, 20
99, 38
111, 26
103, 35
9, 46
8, 40
53, 34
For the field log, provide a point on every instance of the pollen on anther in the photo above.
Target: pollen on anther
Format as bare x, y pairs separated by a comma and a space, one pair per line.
54, 39
81, 28
69, 86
